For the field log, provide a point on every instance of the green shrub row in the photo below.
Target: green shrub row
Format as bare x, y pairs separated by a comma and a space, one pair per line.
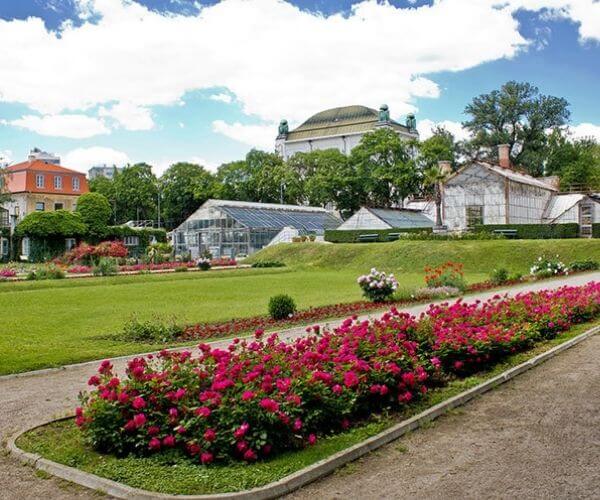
351, 236
535, 231
596, 230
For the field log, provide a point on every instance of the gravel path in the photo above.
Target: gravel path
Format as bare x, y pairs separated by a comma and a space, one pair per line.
557, 459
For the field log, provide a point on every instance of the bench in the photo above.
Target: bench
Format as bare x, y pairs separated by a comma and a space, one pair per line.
367, 237
393, 236
509, 233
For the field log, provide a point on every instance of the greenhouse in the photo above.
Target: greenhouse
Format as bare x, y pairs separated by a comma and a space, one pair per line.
226, 228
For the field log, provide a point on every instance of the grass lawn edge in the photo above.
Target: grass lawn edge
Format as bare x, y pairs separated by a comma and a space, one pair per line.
436, 404
186, 344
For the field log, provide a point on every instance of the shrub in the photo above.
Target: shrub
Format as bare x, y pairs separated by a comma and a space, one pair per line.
153, 330
281, 307
181, 269
49, 272
584, 265
447, 274
106, 266
260, 397
114, 249
548, 267
56, 224
268, 263
436, 293
203, 263
95, 212
536, 231
377, 286
499, 276
7, 272
342, 236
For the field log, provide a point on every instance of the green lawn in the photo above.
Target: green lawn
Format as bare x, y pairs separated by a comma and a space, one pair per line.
52, 323
177, 474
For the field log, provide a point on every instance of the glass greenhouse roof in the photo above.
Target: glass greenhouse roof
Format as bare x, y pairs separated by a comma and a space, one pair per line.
399, 218
279, 218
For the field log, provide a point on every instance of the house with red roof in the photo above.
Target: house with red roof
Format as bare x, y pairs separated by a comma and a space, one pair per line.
38, 185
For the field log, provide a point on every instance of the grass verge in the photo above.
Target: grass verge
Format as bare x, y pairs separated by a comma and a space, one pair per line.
177, 474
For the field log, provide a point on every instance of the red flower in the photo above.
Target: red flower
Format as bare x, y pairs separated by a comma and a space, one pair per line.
269, 405
154, 444
138, 403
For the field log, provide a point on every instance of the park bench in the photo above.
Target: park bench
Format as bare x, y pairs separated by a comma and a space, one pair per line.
368, 237
393, 236
509, 233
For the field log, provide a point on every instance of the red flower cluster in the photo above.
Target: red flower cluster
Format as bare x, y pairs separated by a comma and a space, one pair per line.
7, 273
155, 267
79, 269
443, 274
84, 252
223, 262
259, 397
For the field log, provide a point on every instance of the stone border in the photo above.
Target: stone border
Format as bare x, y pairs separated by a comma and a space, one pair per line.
304, 476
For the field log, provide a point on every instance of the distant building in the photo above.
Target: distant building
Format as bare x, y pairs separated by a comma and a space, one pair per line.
486, 193
238, 228
37, 185
107, 171
339, 128
386, 218
38, 154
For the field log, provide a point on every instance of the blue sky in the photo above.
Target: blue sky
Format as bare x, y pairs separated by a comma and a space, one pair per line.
165, 80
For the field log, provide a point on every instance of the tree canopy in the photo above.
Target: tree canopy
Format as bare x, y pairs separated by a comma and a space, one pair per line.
56, 224
95, 211
517, 115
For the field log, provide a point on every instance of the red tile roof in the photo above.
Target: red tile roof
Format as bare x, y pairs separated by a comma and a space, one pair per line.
21, 178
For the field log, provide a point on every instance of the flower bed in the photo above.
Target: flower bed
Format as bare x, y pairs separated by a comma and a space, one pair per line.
260, 397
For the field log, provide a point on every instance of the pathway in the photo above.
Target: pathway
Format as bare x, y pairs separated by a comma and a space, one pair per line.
27, 400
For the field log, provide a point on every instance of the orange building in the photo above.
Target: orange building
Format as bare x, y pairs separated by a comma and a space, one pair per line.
36, 185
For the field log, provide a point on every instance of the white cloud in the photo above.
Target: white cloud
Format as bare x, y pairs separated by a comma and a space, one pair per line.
129, 116
83, 159
5, 157
426, 127
73, 126
226, 98
127, 54
585, 130
258, 136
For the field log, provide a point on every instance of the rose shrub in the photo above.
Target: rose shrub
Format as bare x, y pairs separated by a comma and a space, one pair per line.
377, 286
264, 396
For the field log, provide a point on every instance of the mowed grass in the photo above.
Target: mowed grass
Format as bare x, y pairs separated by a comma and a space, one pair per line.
176, 474
52, 323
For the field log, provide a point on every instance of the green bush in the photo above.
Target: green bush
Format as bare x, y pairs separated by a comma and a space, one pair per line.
596, 230
50, 272
281, 307
535, 231
203, 264
340, 236
584, 265
106, 266
95, 211
181, 269
499, 276
268, 263
156, 329
57, 224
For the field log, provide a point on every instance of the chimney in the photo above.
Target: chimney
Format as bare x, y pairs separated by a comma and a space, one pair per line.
445, 167
504, 155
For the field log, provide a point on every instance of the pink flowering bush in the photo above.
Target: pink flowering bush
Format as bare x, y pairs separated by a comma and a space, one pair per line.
263, 396
7, 272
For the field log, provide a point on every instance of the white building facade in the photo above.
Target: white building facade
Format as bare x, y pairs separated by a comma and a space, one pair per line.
339, 128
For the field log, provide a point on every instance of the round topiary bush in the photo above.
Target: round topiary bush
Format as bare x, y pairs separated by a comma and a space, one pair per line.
281, 307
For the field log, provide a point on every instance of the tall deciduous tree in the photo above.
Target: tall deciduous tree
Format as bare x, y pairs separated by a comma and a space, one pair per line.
517, 115
184, 187
95, 211
384, 168
136, 192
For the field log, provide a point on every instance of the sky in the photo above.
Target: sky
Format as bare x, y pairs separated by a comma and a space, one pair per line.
160, 81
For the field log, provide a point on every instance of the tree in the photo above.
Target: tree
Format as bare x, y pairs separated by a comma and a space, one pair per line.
439, 147
136, 193
95, 211
56, 224
517, 115
434, 177
324, 177
384, 168
106, 187
575, 161
183, 188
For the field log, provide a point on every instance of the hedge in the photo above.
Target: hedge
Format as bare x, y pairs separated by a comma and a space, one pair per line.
535, 231
351, 236
144, 234
596, 230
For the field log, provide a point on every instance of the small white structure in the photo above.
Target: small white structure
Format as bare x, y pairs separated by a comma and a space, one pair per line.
103, 170
38, 154
339, 128
485, 193
386, 218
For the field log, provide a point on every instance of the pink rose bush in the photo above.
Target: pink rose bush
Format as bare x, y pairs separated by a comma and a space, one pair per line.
7, 272
262, 396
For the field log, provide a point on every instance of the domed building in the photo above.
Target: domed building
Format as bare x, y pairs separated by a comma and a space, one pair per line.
339, 128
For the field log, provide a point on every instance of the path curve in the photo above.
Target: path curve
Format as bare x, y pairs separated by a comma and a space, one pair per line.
28, 400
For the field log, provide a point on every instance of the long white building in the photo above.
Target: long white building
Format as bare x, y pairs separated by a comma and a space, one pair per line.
339, 128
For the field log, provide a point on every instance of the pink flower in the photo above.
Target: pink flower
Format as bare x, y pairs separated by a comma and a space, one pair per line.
240, 432
203, 411
337, 389
249, 455
169, 441
312, 439
153, 430
206, 457
154, 444
269, 405
138, 403
351, 379
210, 435
297, 424
94, 380
247, 395
139, 419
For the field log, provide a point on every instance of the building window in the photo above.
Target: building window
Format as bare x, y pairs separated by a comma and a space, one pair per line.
3, 217
25, 247
39, 181
40, 206
4, 247
70, 243
76, 184
58, 182
474, 214
59, 206
131, 241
